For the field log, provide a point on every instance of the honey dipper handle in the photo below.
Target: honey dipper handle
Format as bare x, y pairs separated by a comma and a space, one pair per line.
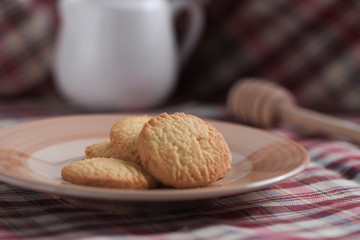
316, 122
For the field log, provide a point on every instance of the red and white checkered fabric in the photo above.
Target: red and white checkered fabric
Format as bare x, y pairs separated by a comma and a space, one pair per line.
27, 33
322, 202
311, 47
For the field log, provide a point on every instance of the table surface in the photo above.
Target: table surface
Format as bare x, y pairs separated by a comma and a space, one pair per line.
322, 202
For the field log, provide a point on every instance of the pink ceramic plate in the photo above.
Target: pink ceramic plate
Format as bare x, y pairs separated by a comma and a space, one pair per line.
32, 155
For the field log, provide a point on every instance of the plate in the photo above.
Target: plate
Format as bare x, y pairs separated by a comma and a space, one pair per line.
32, 155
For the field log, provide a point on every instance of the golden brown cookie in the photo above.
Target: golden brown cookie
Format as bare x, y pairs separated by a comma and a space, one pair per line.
183, 151
102, 149
124, 134
109, 173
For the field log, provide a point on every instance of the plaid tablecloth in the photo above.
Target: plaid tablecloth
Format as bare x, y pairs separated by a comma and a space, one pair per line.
318, 43
322, 202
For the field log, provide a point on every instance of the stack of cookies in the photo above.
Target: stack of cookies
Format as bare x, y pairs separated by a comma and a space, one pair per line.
177, 150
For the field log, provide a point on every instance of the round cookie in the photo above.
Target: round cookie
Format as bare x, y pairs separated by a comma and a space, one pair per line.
109, 173
183, 151
124, 134
102, 149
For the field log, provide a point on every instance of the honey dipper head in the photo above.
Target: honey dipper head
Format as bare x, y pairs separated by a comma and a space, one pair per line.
257, 101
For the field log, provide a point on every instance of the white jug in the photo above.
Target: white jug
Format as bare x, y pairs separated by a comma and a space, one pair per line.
122, 54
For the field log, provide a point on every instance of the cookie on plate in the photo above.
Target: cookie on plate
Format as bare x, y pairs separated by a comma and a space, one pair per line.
109, 173
183, 151
124, 134
102, 149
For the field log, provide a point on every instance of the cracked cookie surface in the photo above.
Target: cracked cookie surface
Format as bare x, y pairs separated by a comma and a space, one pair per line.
109, 173
124, 134
183, 151
102, 149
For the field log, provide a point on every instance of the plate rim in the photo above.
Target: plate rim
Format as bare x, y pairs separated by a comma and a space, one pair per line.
157, 195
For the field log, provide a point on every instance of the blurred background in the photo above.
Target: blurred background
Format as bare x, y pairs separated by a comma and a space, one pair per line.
310, 47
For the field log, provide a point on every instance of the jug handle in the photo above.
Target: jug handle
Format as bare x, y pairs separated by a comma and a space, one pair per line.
194, 28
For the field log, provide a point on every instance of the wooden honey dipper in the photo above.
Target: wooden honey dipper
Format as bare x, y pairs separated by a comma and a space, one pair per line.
265, 104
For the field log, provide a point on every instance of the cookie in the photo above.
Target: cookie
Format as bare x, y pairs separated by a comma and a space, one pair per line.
124, 134
102, 149
183, 151
109, 173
